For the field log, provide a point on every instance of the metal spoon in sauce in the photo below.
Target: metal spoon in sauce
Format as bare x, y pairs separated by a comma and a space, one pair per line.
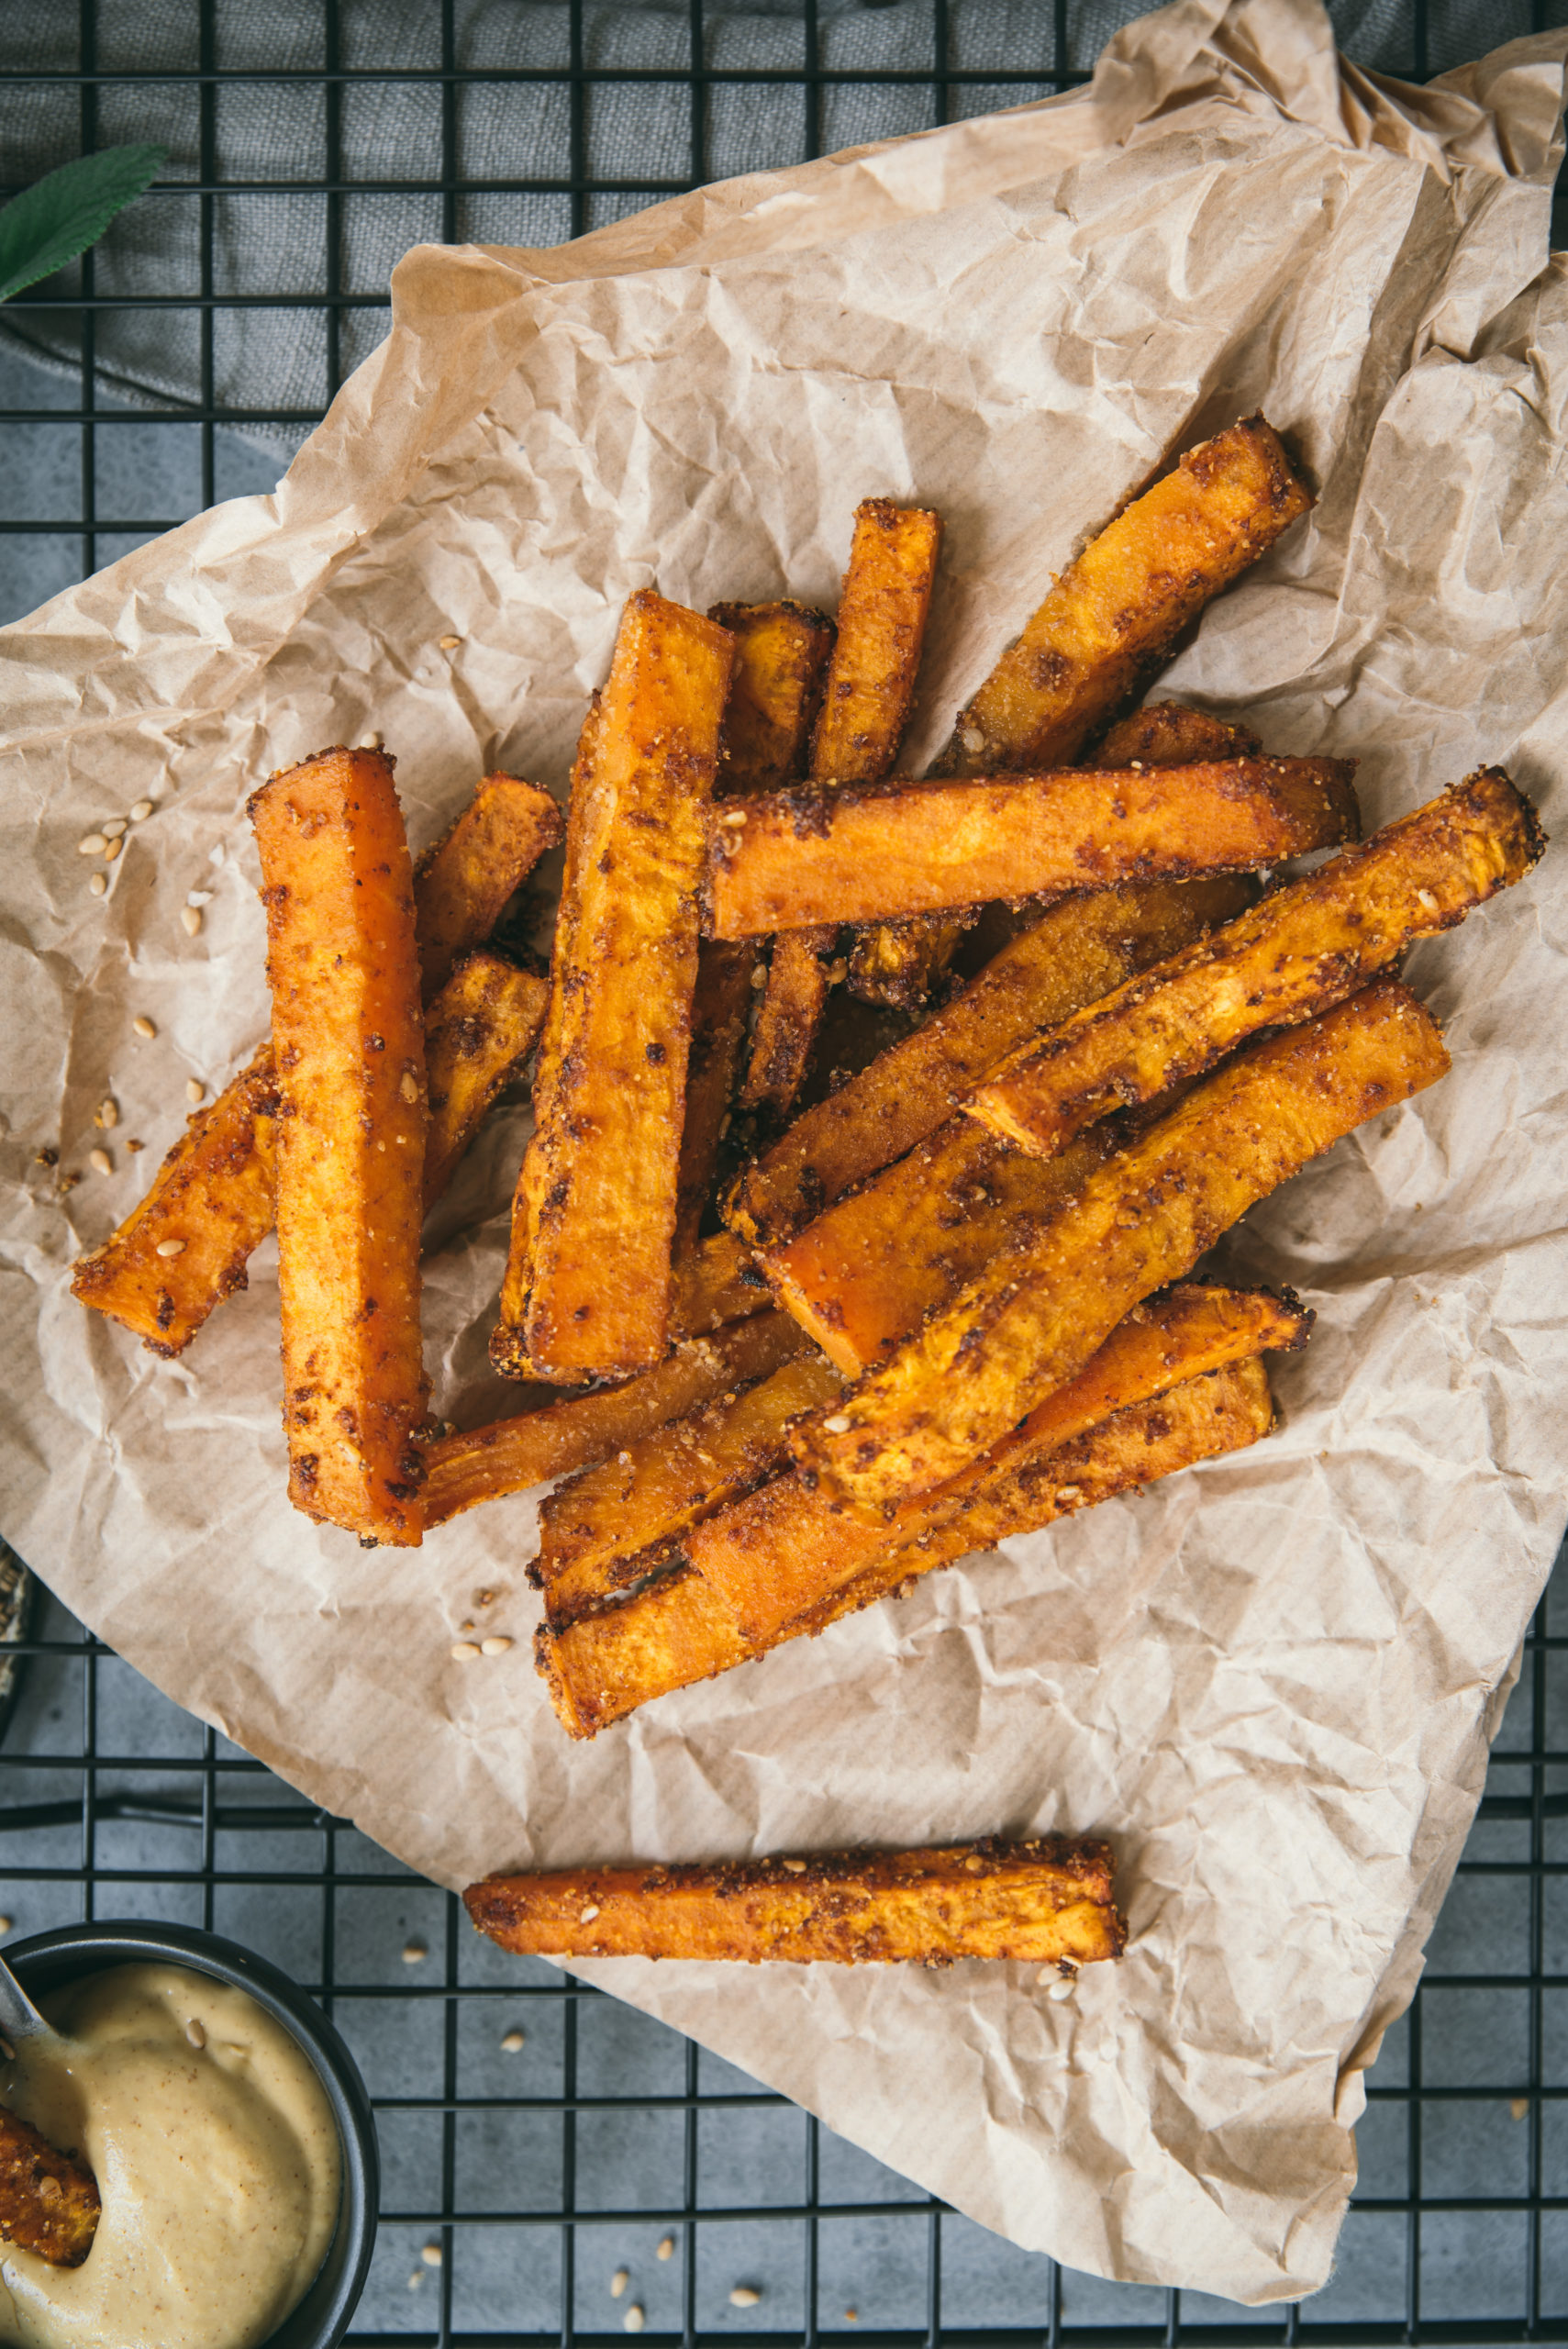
19, 2019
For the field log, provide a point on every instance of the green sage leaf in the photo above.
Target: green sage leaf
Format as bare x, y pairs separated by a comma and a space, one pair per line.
58, 218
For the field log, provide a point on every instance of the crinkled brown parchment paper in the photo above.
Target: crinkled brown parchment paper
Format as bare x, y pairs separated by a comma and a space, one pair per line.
1271, 1680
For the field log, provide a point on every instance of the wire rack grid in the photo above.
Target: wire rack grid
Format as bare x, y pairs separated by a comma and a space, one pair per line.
164, 372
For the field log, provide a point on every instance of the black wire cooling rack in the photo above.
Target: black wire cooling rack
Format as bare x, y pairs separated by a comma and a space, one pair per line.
514, 2196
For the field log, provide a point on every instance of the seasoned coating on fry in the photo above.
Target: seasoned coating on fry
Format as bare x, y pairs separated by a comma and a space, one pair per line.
1116, 609
48, 2203
884, 604
1031, 1320
678, 1630
1080, 948
478, 1032
214, 1191
1303, 948
719, 1006
1041, 1901
593, 1528
214, 1195
349, 1048
864, 1275
594, 1218
780, 651
512, 1455
1170, 734
786, 1548
716, 1284
856, 855
463, 879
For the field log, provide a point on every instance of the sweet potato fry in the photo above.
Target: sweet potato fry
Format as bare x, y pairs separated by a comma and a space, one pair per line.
463, 879
785, 1548
594, 1527
48, 2203
1042, 1901
213, 1194
512, 1455
349, 1048
1080, 948
719, 1006
863, 1277
1033, 1318
184, 1247
871, 678
1116, 610
594, 1218
779, 649
678, 1630
923, 847
1303, 948
716, 1284
478, 1032
1170, 734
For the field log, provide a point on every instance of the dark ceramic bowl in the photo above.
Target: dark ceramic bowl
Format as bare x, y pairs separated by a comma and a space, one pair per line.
49, 1961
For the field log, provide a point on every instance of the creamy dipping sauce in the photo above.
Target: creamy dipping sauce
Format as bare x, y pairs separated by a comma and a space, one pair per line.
217, 2158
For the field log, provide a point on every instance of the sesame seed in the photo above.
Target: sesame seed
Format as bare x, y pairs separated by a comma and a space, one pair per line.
111, 849
851, 2316
1426, 901
114, 830
92, 844
108, 1111
759, 975
618, 2282
133, 1145
195, 2034
1069, 1492
49, 2189
973, 739
414, 1951
513, 2042
171, 1248
796, 1867
633, 2319
837, 974
733, 816
666, 2248
465, 1651
408, 1085
744, 2295
144, 1027
140, 811
1061, 1988
588, 1914
975, 1864
838, 1424
370, 741
450, 643
100, 1161
1518, 2107
191, 920
416, 2280
6, 1923
431, 2253
496, 1645
96, 885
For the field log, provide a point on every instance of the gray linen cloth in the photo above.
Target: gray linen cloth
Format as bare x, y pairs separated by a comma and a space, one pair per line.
275, 243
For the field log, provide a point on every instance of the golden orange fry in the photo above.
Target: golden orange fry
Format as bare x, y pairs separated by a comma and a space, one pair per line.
49, 2204
1041, 1901
348, 1049
478, 1032
462, 880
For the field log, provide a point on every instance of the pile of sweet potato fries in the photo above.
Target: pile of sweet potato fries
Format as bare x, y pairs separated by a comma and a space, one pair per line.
933, 1302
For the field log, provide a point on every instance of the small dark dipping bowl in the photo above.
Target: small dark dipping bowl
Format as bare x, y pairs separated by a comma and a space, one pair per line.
49, 1962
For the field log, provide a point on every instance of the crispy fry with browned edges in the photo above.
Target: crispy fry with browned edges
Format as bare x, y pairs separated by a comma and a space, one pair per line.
919, 847
463, 879
780, 650
716, 1284
1117, 607
678, 1630
587, 1287
1108, 621
882, 608
1303, 948
478, 1032
1170, 734
1046, 1901
719, 1004
784, 1548
514, 1454
1080, 948
594, 1529
48, 2203
864, 1275
184, 1247
1033, 1318
348, 1049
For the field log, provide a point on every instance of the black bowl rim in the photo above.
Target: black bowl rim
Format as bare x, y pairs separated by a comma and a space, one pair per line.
321, 2317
